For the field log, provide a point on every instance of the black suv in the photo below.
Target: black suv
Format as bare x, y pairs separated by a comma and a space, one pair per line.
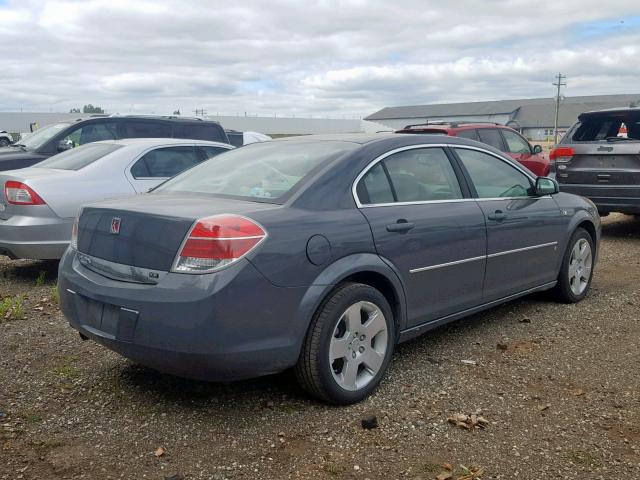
599, 158
58, 137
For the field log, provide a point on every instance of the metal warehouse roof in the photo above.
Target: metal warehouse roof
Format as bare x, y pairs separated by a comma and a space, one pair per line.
527, 112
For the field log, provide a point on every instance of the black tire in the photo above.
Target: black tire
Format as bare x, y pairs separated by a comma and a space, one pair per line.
4, 142
562, 291
314, 372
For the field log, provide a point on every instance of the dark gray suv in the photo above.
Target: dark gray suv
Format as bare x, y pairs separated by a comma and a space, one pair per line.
320, 253
55, 138
599, 158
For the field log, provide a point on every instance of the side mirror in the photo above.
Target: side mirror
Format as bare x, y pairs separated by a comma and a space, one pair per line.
65, 145
546, 186
537, 149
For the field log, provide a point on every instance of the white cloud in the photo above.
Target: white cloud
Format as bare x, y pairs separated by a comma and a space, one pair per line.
328, 57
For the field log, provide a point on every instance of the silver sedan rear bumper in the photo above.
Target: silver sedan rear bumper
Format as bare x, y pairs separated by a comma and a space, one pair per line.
40, 238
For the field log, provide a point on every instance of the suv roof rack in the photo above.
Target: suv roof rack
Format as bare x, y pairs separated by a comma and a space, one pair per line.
453, 124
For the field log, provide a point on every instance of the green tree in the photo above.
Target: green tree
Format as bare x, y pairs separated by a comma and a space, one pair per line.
91, 109
176, 112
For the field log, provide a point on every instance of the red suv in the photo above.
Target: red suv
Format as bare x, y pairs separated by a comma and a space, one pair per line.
503, 138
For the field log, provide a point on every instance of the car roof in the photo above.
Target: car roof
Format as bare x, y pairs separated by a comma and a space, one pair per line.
170, 118
613, 110
451, 126
393, 139
125, 142
360, 138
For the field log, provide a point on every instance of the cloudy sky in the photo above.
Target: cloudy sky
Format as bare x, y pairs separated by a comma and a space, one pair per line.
336, 58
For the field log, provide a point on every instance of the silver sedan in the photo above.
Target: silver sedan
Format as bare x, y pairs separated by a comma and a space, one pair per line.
39, 203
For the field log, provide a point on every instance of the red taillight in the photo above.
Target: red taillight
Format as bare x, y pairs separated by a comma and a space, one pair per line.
561, 154
215, 242
17, 193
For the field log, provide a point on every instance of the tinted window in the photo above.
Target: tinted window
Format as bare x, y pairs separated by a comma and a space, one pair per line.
92, 132
212, 151
78, 157
164, 162
470, 134
145, 129
491, 136
602, 126
515, 143
236, 138
374, 187
265, 171
492, 177
197, 131
422, 174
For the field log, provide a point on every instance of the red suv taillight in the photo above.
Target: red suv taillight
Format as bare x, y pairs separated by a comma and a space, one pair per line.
215, 242
561, 154
17, 193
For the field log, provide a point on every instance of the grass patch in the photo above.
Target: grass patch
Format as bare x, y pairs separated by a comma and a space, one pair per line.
65, 369
428, 467
11, 308
55, 294
582, 457
41, 278
332, 468
30, 416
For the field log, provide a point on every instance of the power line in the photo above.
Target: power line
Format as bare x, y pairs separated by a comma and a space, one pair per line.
560, 82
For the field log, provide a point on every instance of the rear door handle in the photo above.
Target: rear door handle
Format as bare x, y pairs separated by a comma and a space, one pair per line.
497, 216
400, 226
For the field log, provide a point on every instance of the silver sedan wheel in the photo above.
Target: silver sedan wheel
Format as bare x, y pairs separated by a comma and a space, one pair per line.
358, 345
580, 265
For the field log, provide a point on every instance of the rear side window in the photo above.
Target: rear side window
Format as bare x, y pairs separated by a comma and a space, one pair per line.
78, 158
165, 162
491, 136
145, 129
374, 187
515, 143
198, 131
418, 175
470, 134
493, 178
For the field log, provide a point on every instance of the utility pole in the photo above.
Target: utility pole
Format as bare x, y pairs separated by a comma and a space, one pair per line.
561, 82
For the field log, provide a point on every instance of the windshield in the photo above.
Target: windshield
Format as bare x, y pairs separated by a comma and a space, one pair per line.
262, 171
79, 157
35, 140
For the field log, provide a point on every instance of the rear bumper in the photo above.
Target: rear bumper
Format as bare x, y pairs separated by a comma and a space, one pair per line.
608, 198
230, 325
40, 238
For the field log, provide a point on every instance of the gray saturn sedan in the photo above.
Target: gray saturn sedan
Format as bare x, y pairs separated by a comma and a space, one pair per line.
320, 253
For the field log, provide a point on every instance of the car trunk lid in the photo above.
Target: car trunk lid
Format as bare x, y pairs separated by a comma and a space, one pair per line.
147, 231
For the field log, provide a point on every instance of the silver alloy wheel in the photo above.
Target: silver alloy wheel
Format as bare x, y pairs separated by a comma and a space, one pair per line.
580, 265
358, 345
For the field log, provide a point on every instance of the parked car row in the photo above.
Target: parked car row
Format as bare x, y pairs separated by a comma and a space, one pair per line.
317, 253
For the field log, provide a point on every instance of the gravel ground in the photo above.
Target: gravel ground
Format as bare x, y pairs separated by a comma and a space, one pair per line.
559, 385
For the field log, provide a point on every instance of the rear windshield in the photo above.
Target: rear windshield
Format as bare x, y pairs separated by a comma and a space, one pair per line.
606, 127
78, 157
261, 171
